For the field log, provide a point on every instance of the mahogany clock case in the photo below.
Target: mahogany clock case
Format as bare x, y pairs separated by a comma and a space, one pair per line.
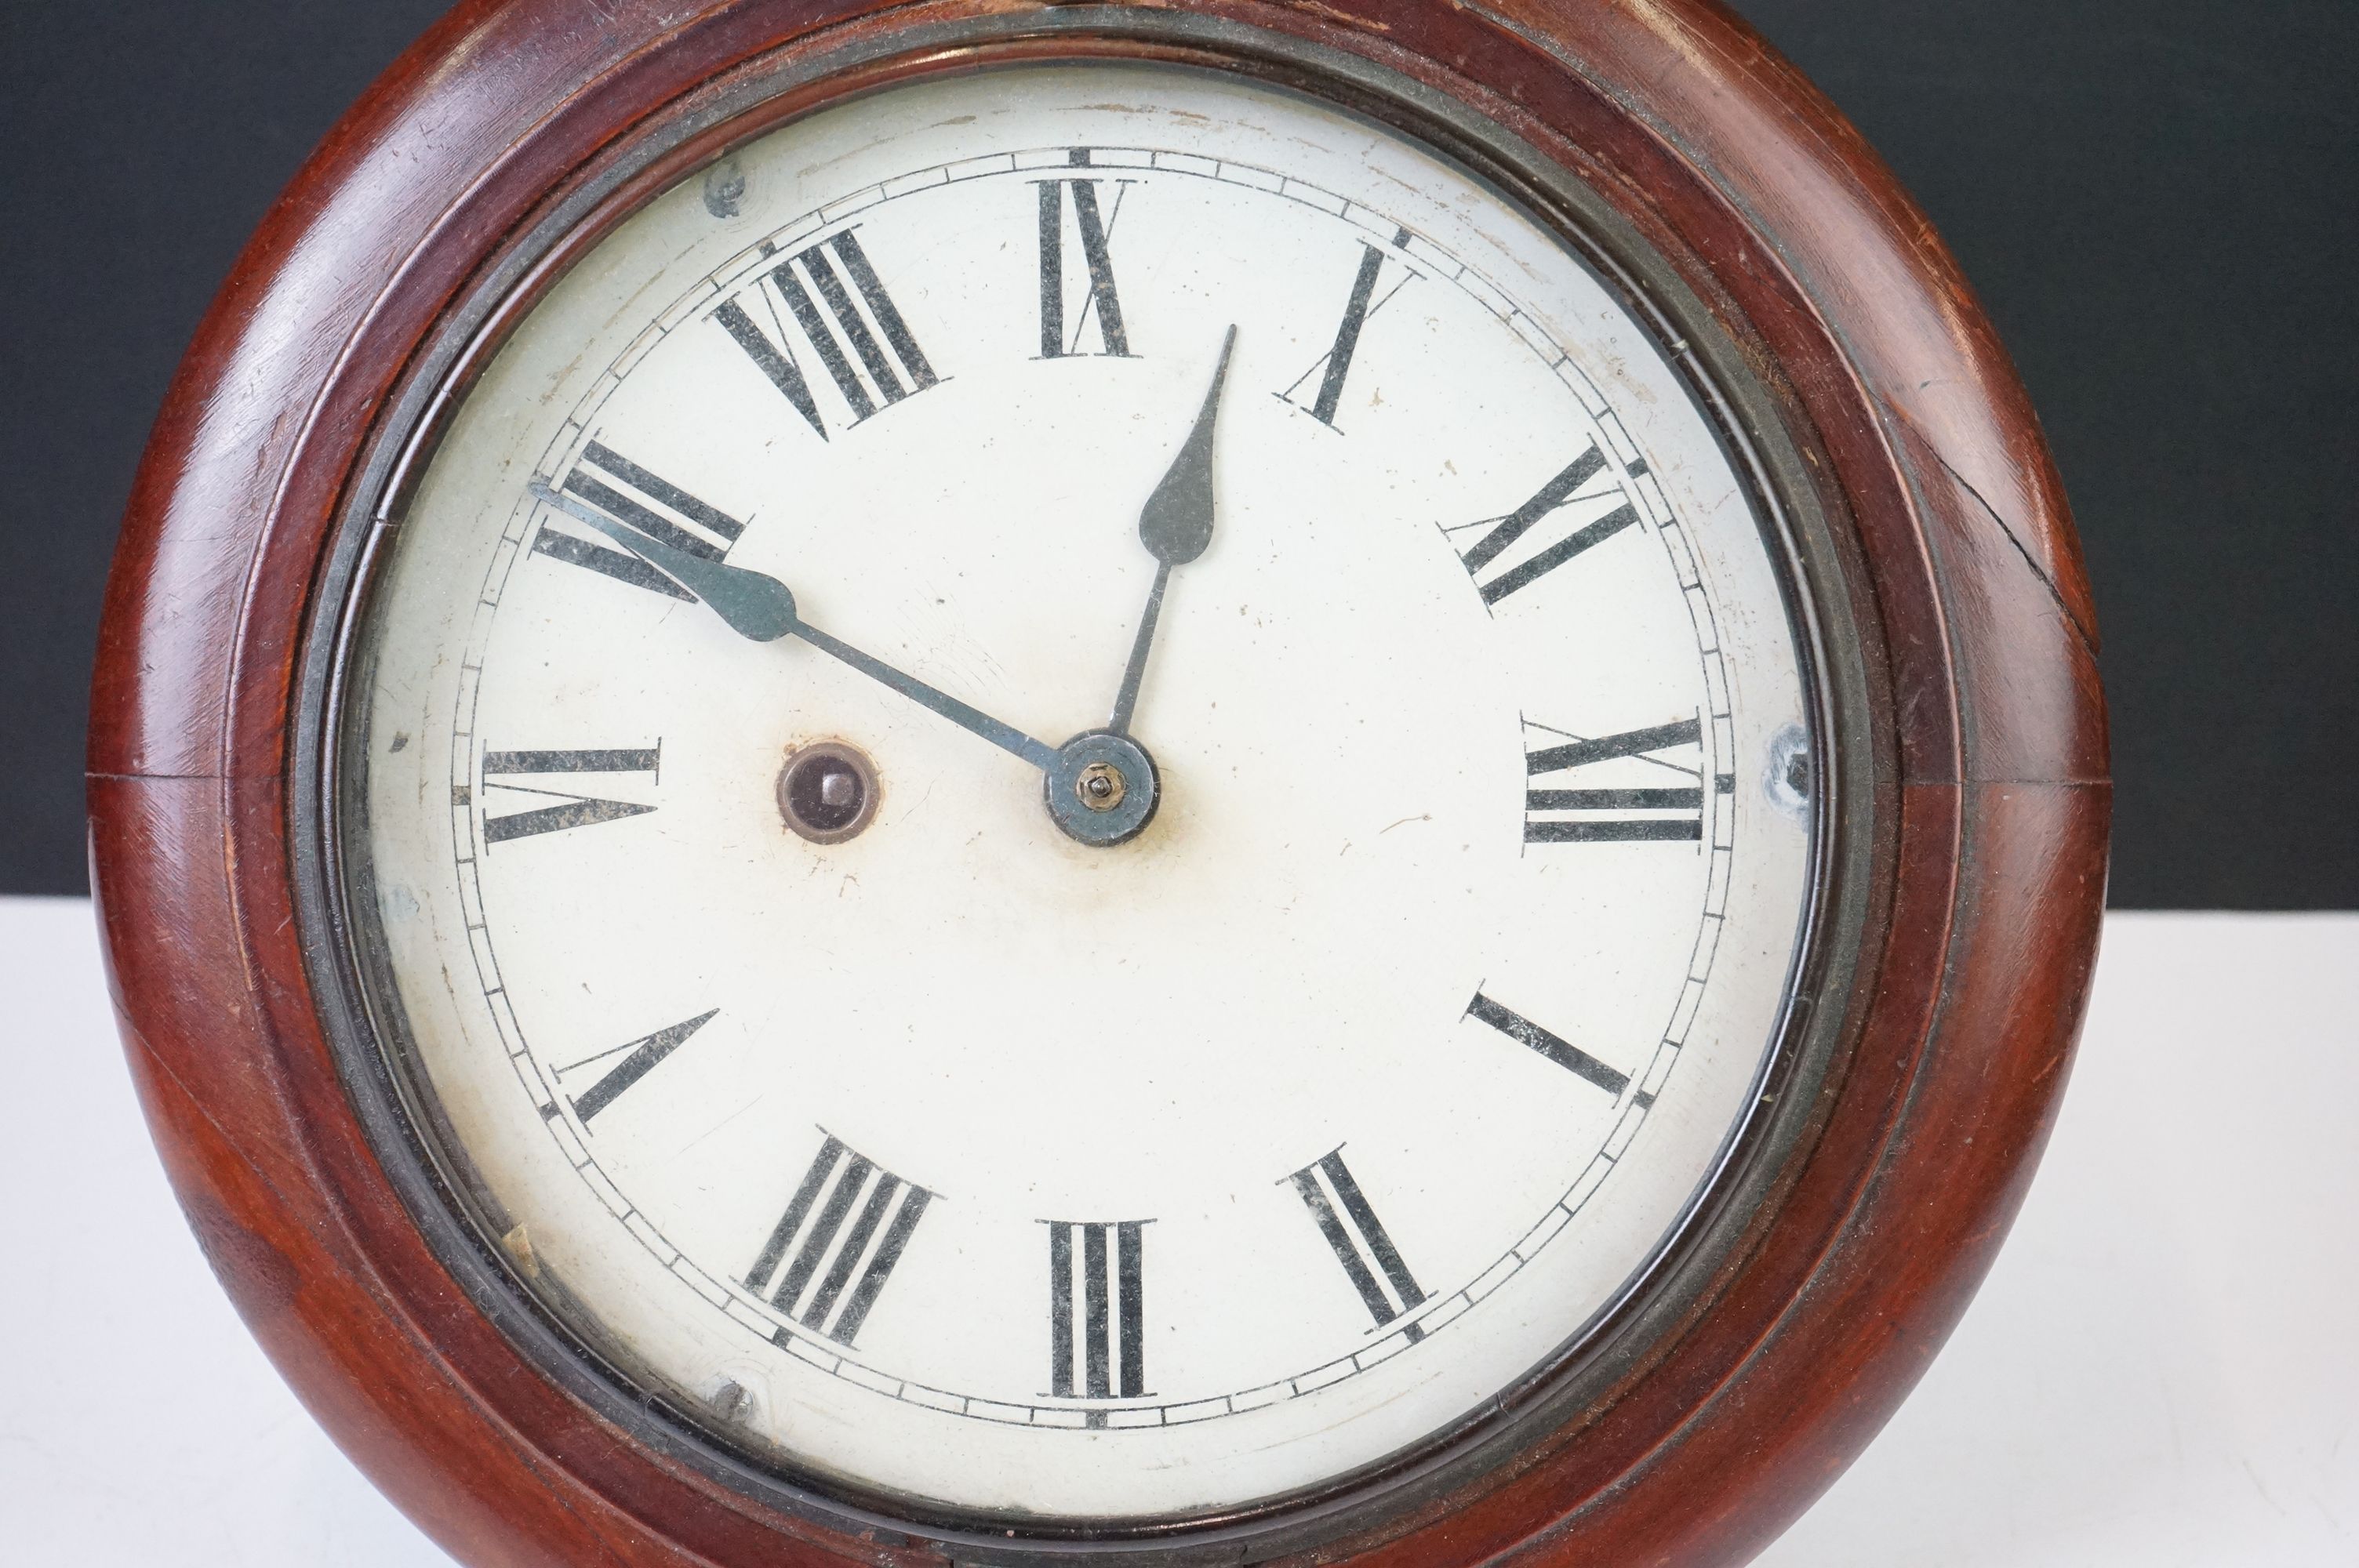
1961, 800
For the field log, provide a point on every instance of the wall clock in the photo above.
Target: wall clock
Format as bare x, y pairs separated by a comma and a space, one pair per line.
1202, 782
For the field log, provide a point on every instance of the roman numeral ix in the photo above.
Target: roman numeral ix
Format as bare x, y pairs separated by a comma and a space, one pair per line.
1095, 229
1359, 1241
1334, 367
1099, 1353
1555, 1047
1608, 815
833, 326
841, 1260
647, 501
577, 810
1563, 491
643, 1056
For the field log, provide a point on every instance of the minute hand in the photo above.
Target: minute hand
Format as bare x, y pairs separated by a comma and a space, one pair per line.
762, 607
1175, 526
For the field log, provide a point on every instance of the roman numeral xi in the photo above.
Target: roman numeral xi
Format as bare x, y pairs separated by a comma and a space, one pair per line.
1098, 1352
1616, 816
842, 315
1359, 1241
1501, 534
575, 810
846, 1227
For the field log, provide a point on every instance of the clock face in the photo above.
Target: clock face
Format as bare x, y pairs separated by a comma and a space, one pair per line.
1084, 793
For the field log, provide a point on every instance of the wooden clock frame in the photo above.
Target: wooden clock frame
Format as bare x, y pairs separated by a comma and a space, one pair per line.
1963, 888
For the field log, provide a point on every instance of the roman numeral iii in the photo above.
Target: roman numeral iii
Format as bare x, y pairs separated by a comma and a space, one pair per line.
1099, 1351
836, 324
846, 1226
633, 496
1672, 813
1502, 533
1093, 229
576, 810
1359, 1241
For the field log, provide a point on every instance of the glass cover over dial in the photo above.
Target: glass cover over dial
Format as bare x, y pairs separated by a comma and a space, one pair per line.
1084, 795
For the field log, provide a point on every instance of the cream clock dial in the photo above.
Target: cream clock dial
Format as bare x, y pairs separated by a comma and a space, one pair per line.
1087, 790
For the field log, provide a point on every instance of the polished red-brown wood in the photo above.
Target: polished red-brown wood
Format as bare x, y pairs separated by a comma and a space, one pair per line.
1987, 892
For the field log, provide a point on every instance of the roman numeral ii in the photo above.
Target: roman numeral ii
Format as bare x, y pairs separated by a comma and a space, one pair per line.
1501, 532
841, 1258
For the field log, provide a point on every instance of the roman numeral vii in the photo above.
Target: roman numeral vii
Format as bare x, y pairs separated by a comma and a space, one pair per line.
1098, 1352
846, 1226
621, 490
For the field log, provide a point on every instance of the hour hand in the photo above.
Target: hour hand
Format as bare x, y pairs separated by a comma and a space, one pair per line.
762, 608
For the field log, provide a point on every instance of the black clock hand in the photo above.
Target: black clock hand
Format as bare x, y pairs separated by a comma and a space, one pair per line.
762, 607
1175, 525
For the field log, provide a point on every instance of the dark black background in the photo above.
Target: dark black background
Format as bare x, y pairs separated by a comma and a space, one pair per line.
2158, 200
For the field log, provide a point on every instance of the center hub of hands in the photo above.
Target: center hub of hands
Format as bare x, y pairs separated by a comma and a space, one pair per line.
1101, 788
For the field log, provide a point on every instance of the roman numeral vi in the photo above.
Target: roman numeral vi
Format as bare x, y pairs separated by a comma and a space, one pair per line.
1099, 1351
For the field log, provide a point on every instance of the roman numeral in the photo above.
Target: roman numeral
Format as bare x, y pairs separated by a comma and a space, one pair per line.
1603, 816
1335, 364
839, 1268
1094, 230
1103, 1353
1560, 492
1359, 1242
836, 327
1555, 1047
578, 810
642, 1059
630, 494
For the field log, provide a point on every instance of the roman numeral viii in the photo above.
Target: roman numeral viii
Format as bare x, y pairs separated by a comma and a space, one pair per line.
576, 810
840, 1262
629, 494
1094, 228
1502, 533
1616, 816
1359, 1241
1099, 1352
837, 324
1334, 367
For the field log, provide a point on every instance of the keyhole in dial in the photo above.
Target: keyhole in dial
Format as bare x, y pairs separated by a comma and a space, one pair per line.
826, 792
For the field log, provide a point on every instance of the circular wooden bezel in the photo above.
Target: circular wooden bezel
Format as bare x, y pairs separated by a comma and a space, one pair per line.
1959, 662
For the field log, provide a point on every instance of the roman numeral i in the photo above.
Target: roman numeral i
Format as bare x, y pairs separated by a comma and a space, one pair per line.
1095, 228
840, 1262
1359, 1241
1099, 1352
577, 810
1613, 815
1502, 533
1336, 365
811, 285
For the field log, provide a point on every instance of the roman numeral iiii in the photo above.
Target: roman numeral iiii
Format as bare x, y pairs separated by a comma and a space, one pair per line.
846, 1227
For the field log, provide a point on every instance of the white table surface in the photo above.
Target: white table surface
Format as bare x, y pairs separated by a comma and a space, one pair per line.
2163, 1369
